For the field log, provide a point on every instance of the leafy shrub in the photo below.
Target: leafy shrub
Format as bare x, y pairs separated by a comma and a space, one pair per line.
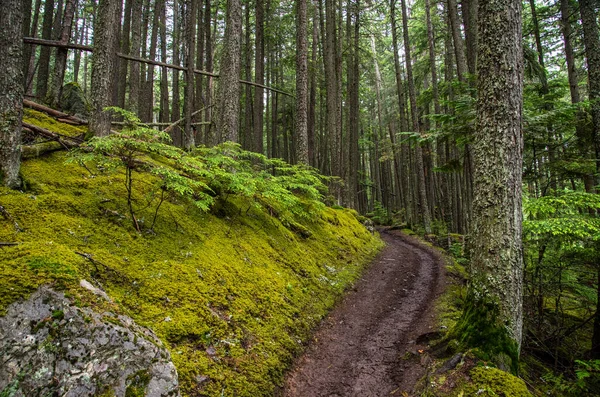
206, 176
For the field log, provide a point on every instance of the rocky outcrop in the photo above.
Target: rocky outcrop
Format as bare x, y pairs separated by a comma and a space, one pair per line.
50, 347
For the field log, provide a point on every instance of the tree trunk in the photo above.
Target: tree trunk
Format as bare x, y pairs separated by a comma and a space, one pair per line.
301, 82
198, 95
164, 77
209, 139
134, 67
583, 140
432, 66
331, 80
147, 104
229, 87
25, 27
125, 49
30, 52
176, 113
591, 40
188, 94
44, 60
459, 48
60, 62
496, 247
247, 132
259, 72
353, 105
422, 189
103, 66
11, 91
313, 94
469, 9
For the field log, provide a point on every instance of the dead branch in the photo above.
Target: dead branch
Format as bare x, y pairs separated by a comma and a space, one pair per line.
9, 218
60, 116
66, 141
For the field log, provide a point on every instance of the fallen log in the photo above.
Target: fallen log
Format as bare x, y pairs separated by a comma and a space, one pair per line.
39, 149
57, 114
175, 124
66, 141
53, 43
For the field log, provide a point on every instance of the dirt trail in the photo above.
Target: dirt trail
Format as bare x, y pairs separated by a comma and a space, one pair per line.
369, 345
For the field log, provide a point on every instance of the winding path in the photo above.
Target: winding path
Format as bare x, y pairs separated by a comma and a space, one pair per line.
369, 345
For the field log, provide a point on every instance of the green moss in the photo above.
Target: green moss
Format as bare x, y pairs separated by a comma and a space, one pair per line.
233, 298
138, 383
479, 328
488, 381
106, 393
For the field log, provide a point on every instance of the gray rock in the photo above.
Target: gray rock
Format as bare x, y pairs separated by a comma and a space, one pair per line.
74, 101
50, 347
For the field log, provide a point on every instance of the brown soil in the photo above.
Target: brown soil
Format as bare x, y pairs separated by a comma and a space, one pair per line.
370, 344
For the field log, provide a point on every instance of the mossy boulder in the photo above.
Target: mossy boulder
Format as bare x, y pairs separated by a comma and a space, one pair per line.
73, 100
488, 381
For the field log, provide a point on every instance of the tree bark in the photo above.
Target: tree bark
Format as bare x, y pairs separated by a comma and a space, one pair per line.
209, 140
301, 82
496, 246
147, 104
229, 87
353, 29
432, 65
422, 189
164, 77
188, 95
313, 94
591, 40
176, 113
331, 81
247, 132
44, 60
60, 62
25, 27
134, 67
583, 140
459, 48
11, 91
29, 51
469, 9
259, 72
103, 66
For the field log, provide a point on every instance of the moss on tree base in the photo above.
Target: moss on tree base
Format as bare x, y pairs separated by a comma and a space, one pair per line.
478, 328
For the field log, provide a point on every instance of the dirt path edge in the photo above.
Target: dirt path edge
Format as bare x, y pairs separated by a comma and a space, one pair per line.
371, 342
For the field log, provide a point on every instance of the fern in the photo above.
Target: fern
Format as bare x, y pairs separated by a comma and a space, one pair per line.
205, 175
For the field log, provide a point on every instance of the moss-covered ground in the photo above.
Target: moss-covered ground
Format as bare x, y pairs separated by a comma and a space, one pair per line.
234, 296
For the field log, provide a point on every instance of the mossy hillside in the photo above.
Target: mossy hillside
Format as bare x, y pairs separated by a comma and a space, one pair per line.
233, 297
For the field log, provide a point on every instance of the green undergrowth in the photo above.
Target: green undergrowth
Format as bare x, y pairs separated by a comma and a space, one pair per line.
233, 292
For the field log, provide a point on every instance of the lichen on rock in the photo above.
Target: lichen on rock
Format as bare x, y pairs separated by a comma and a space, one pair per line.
51, 347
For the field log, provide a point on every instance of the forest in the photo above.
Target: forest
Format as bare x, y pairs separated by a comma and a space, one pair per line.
472, 124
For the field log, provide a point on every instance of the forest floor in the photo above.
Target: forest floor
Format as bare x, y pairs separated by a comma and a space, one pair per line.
371, 343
